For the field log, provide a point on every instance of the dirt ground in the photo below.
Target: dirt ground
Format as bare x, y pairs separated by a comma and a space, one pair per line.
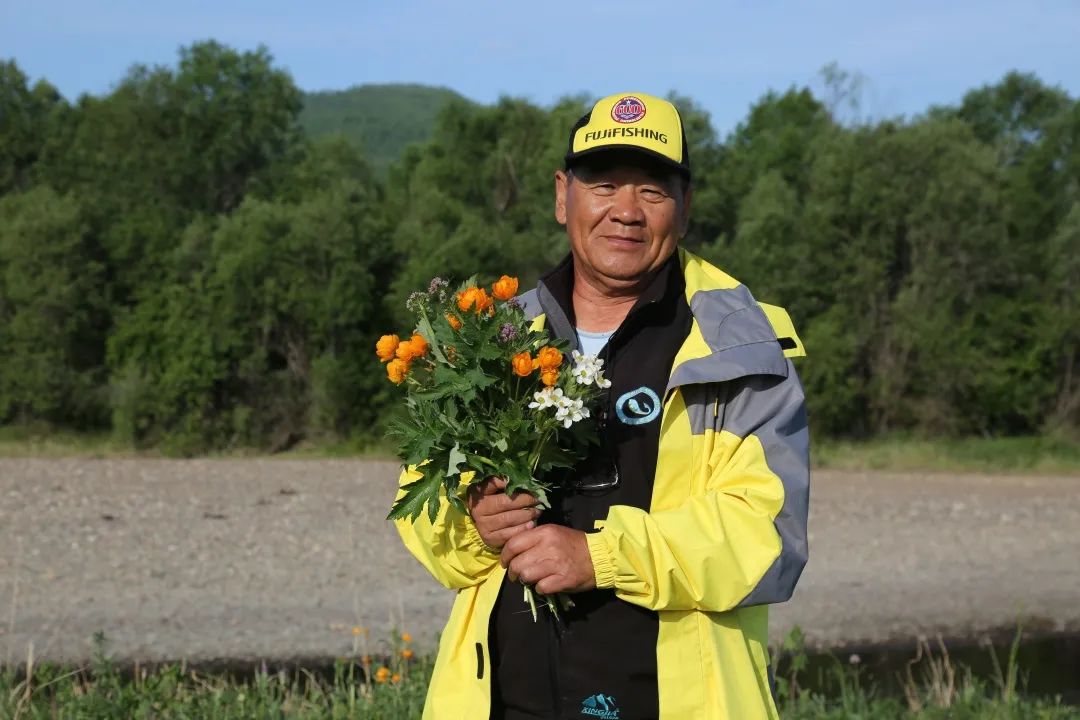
279, 559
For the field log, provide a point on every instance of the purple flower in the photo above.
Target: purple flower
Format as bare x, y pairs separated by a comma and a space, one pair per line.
513, 303
508, 333
437, 284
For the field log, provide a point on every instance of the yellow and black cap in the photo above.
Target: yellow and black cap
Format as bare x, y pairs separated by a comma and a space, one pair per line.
632, 121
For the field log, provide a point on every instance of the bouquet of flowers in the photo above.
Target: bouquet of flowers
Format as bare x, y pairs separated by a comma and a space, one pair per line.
486, 394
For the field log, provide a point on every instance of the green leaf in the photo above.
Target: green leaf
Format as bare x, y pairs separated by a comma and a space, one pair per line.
457, 459
417, 495
428, 332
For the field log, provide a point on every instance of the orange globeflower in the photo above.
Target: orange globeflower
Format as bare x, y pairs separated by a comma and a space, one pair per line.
406, 638
405, 350
454, 321
474, 298
466, 298
505, 288
382, 674
386, 347
419, 345
550, 377
396, 370
523, 364
407, 654
549, 358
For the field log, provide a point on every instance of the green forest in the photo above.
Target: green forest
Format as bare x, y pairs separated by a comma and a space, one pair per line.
184, 266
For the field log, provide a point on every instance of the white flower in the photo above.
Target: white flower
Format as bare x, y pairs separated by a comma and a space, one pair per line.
548, 397
571, 411
588, 370
584, 375
542, 399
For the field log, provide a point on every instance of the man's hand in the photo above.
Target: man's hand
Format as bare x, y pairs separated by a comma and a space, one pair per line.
498, 516
551, 557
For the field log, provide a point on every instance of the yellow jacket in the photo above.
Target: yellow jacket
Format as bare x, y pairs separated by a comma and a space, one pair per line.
724, 536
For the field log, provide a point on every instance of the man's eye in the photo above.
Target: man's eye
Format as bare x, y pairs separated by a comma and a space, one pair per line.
654, 193
604, 187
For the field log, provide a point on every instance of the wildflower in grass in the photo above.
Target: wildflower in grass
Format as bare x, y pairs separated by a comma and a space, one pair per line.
505, 288
406, 638
387, 347
382, 674
395, 678
357, 630
407, 653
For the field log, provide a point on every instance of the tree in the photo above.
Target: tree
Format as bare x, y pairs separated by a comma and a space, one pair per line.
26, 121
52, 313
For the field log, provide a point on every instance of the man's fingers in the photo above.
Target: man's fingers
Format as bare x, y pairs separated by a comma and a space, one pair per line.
518, 544
499, 538
517, 501
531, 570
493, 485
511, 518
501, 503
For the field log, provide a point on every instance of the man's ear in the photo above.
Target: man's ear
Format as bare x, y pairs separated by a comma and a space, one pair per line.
685, 219
562, 182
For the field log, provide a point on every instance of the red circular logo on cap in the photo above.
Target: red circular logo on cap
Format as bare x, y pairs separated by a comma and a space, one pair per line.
628, 110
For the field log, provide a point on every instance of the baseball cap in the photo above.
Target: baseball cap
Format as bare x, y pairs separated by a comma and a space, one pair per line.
632, 121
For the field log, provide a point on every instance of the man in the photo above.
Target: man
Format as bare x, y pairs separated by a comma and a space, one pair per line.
675, 534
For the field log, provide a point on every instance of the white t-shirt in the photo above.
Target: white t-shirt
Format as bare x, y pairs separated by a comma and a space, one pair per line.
592, 342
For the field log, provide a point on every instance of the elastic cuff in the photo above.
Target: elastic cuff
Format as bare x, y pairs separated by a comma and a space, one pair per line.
603, 564
472, 537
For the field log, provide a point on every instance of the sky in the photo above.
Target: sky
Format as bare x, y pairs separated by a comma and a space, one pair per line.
724, 55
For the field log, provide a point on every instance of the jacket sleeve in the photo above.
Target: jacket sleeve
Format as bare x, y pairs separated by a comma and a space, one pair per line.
450, 548
743, 540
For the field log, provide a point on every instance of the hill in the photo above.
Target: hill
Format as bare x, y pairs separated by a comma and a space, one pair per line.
381, 119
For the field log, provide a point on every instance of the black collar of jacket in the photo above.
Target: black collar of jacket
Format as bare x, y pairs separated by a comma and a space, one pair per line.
555, 292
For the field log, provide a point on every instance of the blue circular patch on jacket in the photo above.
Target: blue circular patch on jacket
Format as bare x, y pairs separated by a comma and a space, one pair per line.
638, 407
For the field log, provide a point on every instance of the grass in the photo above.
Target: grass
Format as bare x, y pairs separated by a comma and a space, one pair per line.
355, 688
39, 442
1016, 455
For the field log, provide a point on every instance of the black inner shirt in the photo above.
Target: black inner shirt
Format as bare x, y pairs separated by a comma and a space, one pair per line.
600, 655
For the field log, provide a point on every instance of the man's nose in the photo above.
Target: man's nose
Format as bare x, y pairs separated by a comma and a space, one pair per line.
626, 206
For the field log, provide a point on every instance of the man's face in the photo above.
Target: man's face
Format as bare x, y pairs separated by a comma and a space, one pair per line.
624, 216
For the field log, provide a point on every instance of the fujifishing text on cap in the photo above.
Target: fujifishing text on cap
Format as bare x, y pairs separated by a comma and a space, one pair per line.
633, 121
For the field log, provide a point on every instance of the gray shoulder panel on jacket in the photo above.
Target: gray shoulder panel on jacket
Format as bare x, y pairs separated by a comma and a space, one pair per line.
740, 336
774, 411
530, 303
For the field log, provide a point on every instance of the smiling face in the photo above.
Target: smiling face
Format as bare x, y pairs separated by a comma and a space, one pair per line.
624, 215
